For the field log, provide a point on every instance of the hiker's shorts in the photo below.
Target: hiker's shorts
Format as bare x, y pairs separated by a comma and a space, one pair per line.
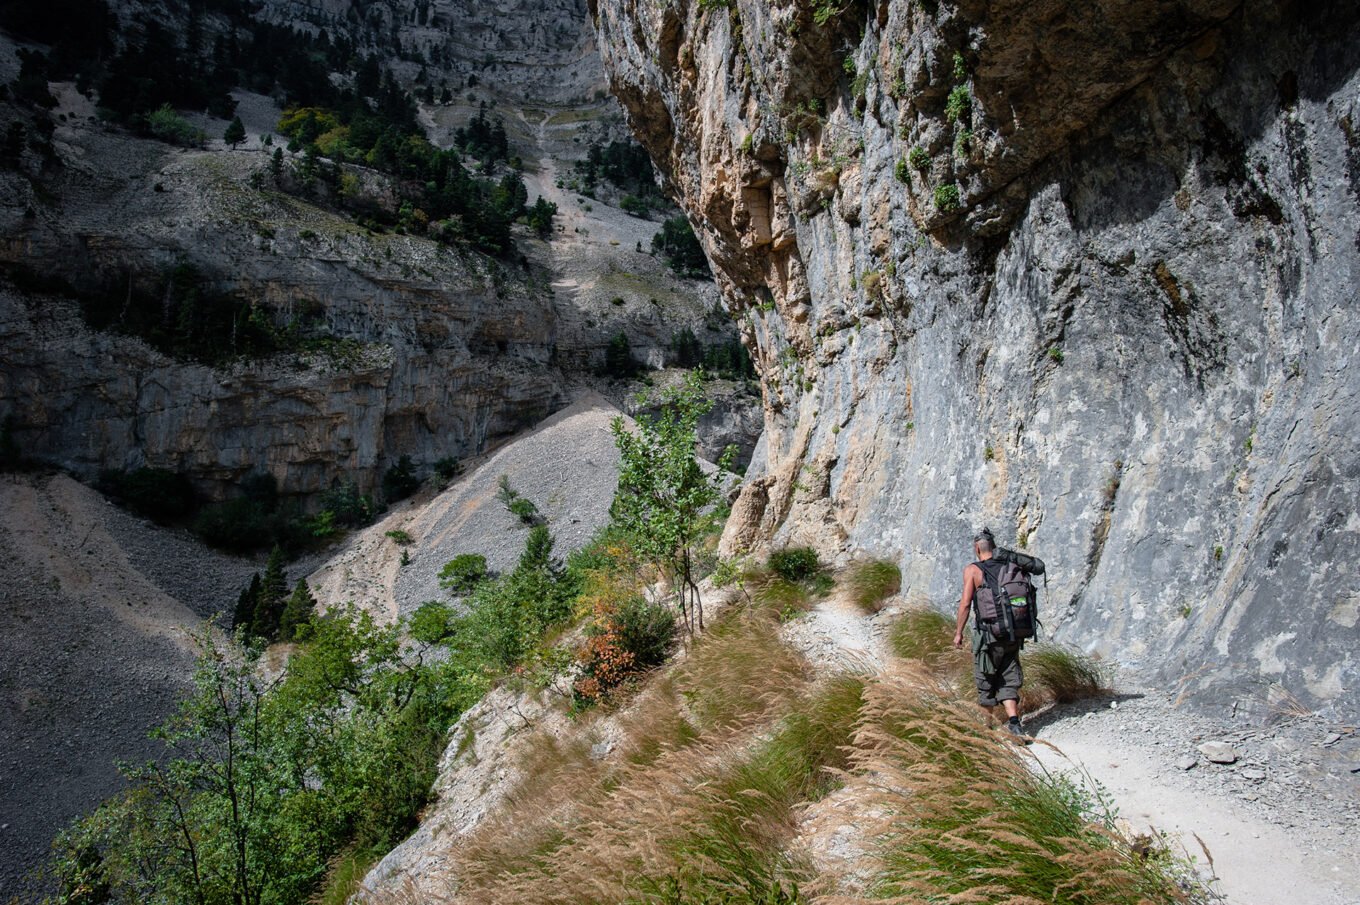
996, 667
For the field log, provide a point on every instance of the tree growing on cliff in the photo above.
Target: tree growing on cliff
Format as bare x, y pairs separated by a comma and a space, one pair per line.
664, 492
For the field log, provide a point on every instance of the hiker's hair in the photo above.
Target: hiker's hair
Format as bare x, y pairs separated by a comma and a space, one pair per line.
985, 540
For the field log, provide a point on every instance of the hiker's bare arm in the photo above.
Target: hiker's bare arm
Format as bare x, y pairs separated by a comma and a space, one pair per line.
965, 602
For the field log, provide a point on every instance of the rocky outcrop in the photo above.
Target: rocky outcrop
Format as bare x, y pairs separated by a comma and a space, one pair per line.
428, 353
1078, 274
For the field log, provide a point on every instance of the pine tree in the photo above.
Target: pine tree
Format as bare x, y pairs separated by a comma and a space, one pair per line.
296, 613
273, 592
236, 132
244, 617
276, 165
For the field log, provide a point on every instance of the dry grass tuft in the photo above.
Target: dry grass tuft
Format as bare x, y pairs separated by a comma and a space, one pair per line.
924, 635
871, 582
966, 821
738, 670
1058, 675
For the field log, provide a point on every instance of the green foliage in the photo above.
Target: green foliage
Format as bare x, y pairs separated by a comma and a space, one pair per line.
259, 789
254, 520
871, 582
960, 67
235, 132
824, 11
433, 622
946, 198
448, 468
618, 358
677, 243
540, 217
622, 641
902, 171
921, 634
156, 493
1056, 355
918, 158
958, 105
297, 613
400, 480
509, 615
518, 506
463, 573
625, 165
167, 125
795, 563
632, 204
401, 537
663, 492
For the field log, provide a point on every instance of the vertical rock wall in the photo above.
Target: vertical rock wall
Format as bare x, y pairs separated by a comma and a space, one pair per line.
1086, 275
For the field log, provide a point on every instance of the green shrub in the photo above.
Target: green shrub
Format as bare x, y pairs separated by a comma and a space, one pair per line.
618, 358
918, 158
400, 481
448, 468
401, 537
646, 630
795, 563
433, 622
958, 105
463, 573
525, 510
902, 171
947, 198
871, 582
167, 125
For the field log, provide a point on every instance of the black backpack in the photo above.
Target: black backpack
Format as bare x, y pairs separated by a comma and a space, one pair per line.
1006, 605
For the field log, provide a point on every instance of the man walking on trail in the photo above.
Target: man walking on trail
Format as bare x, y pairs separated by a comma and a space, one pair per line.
996, 664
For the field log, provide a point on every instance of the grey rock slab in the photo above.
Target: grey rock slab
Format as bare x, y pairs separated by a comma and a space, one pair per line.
1219, 752
1186, 763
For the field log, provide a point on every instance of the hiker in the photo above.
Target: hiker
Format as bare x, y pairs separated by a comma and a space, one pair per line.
999, 627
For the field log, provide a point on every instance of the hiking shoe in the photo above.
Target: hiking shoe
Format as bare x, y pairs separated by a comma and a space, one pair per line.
1012, 728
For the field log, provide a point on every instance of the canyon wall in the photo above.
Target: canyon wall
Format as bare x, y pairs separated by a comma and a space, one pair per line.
1082, 274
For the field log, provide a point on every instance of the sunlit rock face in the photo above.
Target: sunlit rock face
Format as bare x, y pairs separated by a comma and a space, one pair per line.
1083, 275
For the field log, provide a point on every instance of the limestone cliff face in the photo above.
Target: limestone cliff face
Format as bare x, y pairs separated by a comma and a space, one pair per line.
1084, 274
437, 354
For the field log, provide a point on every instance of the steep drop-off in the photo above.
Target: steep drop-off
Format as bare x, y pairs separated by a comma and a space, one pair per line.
1085, 275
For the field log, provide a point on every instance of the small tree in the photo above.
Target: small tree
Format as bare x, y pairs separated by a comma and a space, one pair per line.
463, 573
663, 491
236, 132
296, 613
244, 617
271, 597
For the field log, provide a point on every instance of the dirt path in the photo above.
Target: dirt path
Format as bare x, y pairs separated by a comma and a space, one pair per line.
1279, 823
1278, 833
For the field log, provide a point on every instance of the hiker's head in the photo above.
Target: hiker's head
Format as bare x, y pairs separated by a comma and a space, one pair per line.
984, 541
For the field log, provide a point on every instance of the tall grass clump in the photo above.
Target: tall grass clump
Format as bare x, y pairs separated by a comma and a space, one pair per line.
710, 823
921, 634
789, 583
1056, 674
968, 821
736, 848
871, 582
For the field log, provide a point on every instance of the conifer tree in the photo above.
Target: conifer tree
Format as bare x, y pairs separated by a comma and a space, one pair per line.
236, 132
296, 612
273, 592
244, 617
